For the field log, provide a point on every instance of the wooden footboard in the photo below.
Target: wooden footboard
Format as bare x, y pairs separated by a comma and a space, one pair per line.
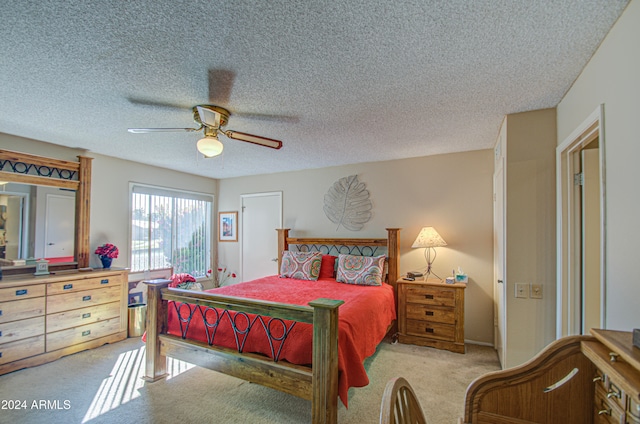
318, 383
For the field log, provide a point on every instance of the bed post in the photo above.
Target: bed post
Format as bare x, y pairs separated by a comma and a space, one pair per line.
283, 244
393, 252
156, 363
324, 406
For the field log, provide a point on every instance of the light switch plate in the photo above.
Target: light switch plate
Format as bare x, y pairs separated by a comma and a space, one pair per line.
536, 291
522, 290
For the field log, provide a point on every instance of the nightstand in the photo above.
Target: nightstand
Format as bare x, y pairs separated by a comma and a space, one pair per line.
431, 313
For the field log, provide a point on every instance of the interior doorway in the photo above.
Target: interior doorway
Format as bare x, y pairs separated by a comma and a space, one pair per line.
261, 216
580, 179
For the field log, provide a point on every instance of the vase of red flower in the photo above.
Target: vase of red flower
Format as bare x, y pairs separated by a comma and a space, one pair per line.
107, 253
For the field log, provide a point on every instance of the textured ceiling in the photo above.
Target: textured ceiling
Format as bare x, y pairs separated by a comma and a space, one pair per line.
338, 81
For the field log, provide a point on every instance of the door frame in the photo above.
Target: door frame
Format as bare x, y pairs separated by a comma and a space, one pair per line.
569, 285
241, 222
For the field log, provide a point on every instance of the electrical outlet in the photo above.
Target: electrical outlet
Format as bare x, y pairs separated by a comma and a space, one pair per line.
522, 290
536, 291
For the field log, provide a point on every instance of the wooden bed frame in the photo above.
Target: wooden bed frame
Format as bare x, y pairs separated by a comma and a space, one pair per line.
317, 383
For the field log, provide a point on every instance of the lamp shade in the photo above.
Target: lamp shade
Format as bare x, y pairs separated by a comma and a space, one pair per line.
209, 146
428, 237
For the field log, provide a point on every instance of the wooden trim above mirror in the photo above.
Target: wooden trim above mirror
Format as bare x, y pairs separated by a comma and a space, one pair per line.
53, 173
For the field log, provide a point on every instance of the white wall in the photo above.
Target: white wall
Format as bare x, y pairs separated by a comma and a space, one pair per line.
612, 78
451, 192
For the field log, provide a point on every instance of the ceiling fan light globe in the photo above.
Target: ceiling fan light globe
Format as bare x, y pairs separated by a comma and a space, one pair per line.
209, 147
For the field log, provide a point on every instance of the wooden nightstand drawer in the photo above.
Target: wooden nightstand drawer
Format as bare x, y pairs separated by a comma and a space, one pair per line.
22, 329
82, 299
75, 317
431, 330
440, 296
431, 313
18, 293
21, 309
78, 285
20, 349
81, 334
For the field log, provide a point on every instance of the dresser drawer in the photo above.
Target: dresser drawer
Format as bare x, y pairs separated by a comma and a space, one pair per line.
81, 334
431, 330
21, 309
24, 292
431, 313
606, 410
79, 285
440, 296
67, 319
22, 329
21, 349
82, 299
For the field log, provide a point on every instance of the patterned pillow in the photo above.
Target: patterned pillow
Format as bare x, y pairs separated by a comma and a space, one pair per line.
361, 270
301, 265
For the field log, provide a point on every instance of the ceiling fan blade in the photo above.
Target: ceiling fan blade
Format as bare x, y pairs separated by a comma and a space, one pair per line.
156, 104
208, 117
220, 85
151, 130
255, 139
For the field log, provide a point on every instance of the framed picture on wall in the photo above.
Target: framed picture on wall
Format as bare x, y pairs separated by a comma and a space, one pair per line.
227, 226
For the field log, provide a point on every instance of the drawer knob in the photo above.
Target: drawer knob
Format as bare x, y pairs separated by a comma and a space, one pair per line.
604, 412
428, 296
613, 356
428, 313
0, 312
428, 330
0, 354
105, 281
86, 333
613, 393
21, 292
85, 298
596, 379
87, 315
0, 333
67, 287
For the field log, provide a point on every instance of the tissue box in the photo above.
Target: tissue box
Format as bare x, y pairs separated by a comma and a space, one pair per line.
461, 278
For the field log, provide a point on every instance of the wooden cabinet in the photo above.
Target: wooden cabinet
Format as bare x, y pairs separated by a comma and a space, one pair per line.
576, 379
431, 314
44, 318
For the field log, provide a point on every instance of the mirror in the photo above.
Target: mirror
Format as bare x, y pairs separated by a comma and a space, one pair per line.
57, 182
36, 222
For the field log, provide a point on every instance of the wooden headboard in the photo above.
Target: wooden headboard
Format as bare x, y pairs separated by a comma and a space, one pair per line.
392, 243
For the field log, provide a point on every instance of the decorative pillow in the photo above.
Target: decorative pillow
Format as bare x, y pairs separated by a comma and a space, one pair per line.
360, 270
301, 265
328, 266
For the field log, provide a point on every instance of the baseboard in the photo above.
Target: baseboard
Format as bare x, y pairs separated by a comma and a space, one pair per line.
474, 342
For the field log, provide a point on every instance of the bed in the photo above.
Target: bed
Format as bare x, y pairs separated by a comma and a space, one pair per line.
311, 342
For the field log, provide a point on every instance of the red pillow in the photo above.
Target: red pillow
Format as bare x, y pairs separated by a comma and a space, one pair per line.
328, 266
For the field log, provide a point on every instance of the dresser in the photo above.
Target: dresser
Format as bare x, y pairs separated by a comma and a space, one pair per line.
431, 313
576, 379
46, 317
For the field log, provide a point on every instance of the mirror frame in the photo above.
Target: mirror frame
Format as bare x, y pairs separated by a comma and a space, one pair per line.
54, 173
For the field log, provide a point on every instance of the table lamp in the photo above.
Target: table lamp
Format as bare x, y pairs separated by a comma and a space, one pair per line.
429, 239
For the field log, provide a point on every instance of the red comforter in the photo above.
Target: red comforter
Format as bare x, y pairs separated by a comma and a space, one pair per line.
363, 321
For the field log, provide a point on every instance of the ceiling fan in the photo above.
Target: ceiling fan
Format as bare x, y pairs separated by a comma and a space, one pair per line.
212, 119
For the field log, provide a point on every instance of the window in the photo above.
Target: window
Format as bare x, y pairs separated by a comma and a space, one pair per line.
170, 228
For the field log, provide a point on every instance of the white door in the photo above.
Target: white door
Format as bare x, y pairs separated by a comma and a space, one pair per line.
261, 216
499, 282
59, 226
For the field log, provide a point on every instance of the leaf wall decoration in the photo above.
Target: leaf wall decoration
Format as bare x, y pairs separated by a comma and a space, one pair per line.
347, 203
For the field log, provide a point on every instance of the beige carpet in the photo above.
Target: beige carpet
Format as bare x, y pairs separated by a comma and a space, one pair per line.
103, 386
